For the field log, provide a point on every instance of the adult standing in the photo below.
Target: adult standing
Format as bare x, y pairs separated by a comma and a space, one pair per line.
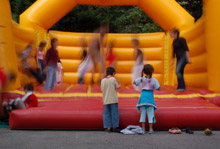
181, 52
51, 60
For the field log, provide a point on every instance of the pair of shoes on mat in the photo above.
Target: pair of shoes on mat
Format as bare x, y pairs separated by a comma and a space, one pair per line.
188, 130
175, 131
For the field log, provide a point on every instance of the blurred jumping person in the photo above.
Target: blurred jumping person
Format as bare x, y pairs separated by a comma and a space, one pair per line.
5, 80
96, 51
24, 60
139, 64
109, 54
86, 62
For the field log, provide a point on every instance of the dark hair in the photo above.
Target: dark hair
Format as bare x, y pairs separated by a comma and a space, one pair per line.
176, 31
29, 87
110, 71
53, 40
42, 43
148, 70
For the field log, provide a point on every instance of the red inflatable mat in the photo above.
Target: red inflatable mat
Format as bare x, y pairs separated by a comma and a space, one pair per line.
83, 110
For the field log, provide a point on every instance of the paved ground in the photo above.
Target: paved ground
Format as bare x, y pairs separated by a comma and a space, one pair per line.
66, 139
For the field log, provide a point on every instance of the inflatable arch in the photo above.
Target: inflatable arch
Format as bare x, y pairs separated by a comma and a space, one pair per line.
77, 107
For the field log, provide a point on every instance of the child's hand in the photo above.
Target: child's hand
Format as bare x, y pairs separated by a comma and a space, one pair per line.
189, 61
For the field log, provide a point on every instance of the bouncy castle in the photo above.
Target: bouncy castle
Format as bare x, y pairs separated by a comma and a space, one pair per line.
72, 106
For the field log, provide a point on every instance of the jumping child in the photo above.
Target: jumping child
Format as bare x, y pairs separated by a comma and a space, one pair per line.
86, 63
109, 86
96, 51
139, 64
110, 56
40, 56
146, 102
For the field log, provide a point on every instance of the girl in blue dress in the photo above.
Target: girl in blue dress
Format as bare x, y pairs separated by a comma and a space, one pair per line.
146, 102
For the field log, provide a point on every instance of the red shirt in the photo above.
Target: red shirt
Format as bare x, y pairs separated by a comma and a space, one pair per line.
51, 58
31, 101
111, 58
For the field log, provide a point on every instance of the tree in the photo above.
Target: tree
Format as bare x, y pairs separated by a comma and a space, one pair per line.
18, 6
122, 19
194, 7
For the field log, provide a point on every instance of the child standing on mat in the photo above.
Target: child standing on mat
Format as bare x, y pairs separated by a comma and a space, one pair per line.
109, 86
146, 102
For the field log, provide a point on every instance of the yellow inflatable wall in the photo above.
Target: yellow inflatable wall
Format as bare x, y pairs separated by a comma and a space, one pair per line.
8, 62
151, 44
202, 39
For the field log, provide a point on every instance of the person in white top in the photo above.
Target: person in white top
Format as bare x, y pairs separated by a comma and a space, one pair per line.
40, 56
109, 86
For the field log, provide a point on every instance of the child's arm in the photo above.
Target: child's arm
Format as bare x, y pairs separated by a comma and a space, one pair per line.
117, 84
102, 86
188, 57
138, 81
156, 84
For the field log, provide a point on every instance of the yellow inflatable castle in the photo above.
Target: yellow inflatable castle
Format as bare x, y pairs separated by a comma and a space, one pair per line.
202, 38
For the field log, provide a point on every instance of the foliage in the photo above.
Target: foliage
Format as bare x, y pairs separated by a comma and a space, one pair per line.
18, 6
194, 7
122, 19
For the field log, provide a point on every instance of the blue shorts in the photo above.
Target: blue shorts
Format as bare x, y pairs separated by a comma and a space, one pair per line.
149, 110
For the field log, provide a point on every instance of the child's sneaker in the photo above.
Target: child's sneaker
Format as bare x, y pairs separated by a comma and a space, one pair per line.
108, 130
116, 130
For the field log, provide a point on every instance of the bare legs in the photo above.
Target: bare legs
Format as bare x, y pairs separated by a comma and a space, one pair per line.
150, 127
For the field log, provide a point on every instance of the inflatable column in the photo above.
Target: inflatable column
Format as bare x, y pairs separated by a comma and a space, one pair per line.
8, 60
212, 12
